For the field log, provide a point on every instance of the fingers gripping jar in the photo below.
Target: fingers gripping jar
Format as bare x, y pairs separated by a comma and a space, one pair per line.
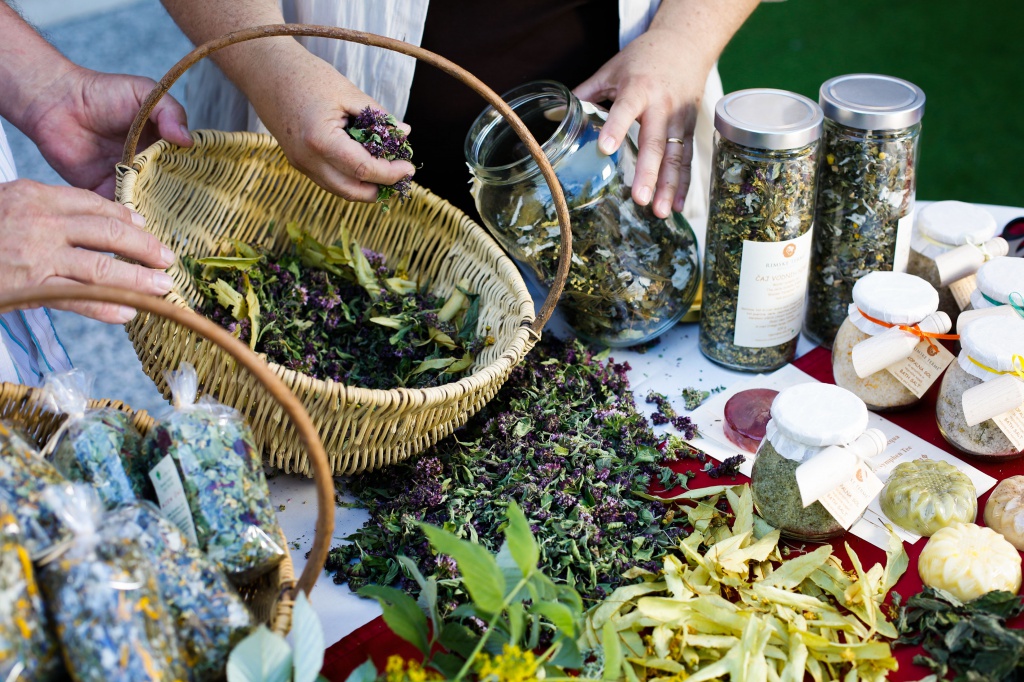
759, 228
815, 442
980, 410
633, 274
871, 338
866, 189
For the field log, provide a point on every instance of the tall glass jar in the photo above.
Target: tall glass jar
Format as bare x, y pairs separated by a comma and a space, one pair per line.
866, 189
633, 274
759, 228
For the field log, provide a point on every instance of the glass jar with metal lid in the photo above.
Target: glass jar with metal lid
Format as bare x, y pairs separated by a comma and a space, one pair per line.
980, 409
633, 274
866, 189
939, 230
816, 441
758, 242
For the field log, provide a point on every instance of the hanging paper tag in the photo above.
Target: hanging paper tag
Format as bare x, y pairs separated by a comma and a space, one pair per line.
962, 290
992, 398
1012, 425
923, 367
171, 494
847, 502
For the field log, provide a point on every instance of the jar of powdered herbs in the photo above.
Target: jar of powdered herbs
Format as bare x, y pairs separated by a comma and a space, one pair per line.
887, 351
950, 241
980, 410
811, 478
866, 190
759, 228
633, 275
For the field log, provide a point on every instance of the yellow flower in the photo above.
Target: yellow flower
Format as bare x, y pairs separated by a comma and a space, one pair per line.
881, 155
398, 670
512, 665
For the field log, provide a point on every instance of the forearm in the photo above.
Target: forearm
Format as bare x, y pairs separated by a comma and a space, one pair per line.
702, 28
28, 65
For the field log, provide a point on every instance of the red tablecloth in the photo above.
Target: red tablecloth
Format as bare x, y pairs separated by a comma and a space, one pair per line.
375, 639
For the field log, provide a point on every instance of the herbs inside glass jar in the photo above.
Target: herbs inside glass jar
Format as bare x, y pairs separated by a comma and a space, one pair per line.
865, 188
756, 196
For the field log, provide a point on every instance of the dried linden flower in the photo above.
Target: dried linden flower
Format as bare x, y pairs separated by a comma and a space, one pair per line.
968, 561
925, 495
1004, 512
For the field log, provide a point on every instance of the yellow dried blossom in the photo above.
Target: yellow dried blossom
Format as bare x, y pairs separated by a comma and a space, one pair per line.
512, 665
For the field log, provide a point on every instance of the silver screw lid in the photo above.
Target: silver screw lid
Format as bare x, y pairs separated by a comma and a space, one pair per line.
764, 118
868, 101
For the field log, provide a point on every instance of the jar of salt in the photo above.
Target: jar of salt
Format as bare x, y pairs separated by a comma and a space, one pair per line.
951, 240
891, 314
980, 410
816, 443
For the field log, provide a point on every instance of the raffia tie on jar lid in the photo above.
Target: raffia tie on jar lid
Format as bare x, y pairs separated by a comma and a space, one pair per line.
825, 428
764, 118
945, 225
998, 280
993, 351
869, 101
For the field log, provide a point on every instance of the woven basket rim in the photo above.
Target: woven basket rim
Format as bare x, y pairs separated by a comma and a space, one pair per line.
432, 395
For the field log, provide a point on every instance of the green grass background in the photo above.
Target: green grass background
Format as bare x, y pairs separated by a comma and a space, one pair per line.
968, 57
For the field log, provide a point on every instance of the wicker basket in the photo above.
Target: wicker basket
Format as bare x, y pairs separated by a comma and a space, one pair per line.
241, 186
271, 596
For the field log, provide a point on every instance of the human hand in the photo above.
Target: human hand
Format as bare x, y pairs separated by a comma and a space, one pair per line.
81, 119
58, 235
306, 104
659, 84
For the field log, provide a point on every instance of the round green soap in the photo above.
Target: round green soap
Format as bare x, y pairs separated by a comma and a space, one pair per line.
925, 495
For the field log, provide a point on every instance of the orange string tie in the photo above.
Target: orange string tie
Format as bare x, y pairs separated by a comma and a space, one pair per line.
912, 328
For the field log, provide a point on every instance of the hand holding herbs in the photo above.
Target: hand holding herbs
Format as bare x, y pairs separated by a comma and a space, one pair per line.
338, 312
380, 135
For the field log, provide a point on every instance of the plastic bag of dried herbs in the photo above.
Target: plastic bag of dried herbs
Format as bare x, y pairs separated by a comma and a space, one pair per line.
91, 446
210, 617
104, 598
203, 468
27, 649
24, 475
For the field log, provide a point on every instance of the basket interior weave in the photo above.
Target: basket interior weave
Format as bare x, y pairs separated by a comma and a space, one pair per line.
241, 186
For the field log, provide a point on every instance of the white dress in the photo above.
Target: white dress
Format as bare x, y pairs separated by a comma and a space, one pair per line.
29, 346
386, 76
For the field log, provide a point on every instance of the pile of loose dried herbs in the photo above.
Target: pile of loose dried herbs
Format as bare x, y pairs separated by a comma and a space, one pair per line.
865, 187
759, 197
970, 640
380, 135
340, 313
563, 438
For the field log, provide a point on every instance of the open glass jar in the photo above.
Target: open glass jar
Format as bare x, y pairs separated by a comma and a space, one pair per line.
633, 274
815, 442
980, 410
866, 189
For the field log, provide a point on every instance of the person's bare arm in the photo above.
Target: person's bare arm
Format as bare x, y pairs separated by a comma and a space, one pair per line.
658, 80
304, 102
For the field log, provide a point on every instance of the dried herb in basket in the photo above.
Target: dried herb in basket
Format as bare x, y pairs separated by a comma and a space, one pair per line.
24, 476
768, 198
865, 187
26, 644
564, 439
210, 617
380, 135
104, 599
339, 313
208, 477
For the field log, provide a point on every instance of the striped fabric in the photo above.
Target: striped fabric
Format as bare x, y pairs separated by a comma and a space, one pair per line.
29, 346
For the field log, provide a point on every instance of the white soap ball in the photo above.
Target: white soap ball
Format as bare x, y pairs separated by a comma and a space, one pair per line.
968, 561
1004, 512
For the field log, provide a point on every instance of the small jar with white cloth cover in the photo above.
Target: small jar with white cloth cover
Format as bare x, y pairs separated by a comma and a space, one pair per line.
811, 473
951, 240
980, 410
891, 314
999, 291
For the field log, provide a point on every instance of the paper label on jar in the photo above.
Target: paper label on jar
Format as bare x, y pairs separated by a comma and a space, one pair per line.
901, 250
847, 502
962, 290
772, 289
171, 495
922, 367
1012, 425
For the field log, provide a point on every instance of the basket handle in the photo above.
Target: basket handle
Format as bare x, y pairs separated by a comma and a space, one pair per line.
452, 69
37, 296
